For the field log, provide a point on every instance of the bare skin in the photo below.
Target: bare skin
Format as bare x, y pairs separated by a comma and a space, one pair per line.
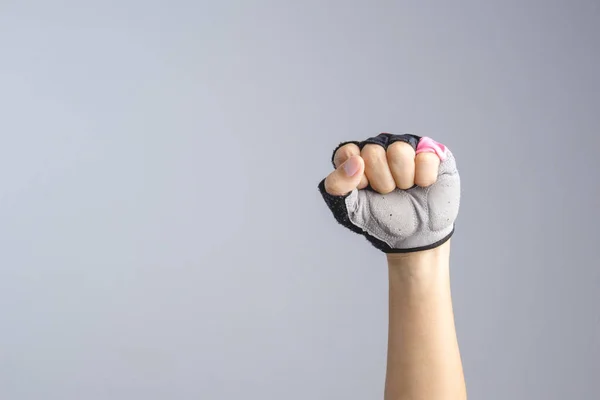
423, 355
424, 361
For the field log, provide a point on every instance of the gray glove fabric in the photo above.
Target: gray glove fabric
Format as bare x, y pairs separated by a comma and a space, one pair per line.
404, 220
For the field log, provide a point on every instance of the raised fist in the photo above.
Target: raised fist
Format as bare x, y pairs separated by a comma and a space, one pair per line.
402, 192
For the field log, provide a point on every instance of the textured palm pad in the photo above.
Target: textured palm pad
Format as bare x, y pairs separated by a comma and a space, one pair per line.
404, 220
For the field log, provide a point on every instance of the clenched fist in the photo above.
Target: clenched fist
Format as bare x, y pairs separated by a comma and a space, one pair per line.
402, 192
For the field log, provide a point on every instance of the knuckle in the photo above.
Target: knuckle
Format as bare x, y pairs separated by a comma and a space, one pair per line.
427, 159
364, 182
385, 188
376, 172
373, 153
382, 182
425, 178
405, 181
401, 150
345, 152
426, 171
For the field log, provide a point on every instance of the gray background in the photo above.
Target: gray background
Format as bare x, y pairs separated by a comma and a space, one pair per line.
161, 235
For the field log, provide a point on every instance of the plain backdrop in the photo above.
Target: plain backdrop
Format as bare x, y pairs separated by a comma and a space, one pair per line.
161, 232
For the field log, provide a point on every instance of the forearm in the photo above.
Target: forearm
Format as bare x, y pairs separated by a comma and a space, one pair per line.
423, 355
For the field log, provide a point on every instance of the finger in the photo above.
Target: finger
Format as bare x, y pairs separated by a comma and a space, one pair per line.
401, 160
426, 169
346, 177
343, 154
377, 169
364, 182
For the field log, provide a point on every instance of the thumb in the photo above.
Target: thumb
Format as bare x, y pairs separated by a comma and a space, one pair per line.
346, 177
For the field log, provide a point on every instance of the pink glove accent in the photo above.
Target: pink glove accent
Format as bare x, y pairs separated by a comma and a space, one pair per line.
428, 145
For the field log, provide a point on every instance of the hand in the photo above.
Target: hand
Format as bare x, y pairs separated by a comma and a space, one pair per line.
402, 192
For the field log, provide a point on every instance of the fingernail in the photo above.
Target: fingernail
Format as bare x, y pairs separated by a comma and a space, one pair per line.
351, 166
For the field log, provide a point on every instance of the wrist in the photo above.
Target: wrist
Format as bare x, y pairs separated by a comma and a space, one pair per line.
421, 266
425, 256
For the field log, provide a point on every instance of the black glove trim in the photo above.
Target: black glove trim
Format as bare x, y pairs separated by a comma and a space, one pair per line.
386, 139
